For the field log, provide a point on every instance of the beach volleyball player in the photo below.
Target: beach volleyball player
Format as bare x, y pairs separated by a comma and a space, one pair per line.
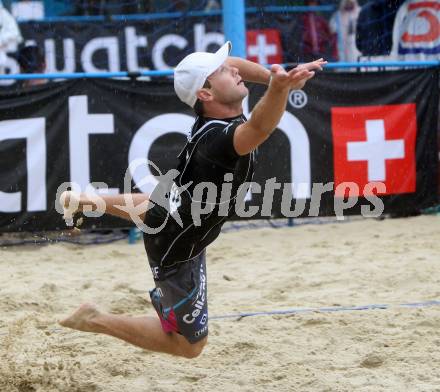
221, 148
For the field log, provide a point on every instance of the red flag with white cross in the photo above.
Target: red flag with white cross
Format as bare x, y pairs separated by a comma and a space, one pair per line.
264, 46
375, 144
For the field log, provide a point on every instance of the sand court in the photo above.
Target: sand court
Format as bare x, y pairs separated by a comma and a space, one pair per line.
363, 262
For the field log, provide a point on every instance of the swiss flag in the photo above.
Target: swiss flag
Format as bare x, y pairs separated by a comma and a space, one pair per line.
375, 144
264, 46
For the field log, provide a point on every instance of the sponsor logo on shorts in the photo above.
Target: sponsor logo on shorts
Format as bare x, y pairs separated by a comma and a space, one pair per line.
200, 332
201, 294
190, 318
155, 272
199, 301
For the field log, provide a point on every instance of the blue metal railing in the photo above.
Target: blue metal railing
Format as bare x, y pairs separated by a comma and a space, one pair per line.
384, 64
87, 75
293, 8
158, 73
176, 15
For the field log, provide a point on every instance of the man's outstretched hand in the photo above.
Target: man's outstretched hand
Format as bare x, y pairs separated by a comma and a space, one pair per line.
296, 78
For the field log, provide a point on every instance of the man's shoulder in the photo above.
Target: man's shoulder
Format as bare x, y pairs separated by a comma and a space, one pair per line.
205, 125
210, 123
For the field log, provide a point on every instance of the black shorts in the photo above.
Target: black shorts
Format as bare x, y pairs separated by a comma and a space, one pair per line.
180, 297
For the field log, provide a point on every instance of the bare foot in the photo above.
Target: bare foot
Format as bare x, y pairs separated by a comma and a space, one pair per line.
82, 319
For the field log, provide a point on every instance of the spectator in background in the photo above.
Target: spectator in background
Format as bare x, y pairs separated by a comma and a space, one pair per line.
374, 29
179, 6
10, 35
212, 5
90, 7
343, 24
111, 7
317, 39
31, 60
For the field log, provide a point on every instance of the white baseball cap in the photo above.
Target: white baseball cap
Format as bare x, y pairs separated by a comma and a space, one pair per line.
191, 73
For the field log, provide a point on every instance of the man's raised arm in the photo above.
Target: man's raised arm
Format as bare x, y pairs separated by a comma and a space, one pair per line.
250, 71
269, 109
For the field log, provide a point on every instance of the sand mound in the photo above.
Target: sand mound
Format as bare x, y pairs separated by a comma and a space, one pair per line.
358, 263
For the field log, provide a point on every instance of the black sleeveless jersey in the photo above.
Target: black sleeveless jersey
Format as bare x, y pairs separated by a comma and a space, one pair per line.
201, 195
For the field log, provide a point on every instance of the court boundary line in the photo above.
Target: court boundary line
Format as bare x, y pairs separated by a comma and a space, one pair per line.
293, 311
327, 309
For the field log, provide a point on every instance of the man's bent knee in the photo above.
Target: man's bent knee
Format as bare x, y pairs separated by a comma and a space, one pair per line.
195, 349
